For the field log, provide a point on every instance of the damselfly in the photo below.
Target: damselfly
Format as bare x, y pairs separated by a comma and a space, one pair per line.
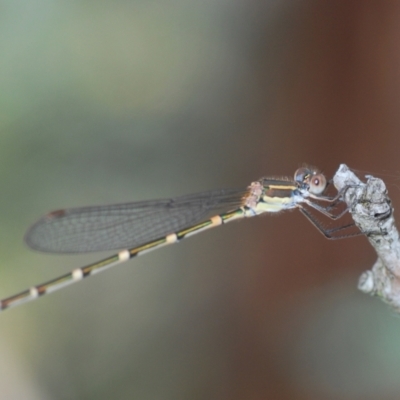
144, 226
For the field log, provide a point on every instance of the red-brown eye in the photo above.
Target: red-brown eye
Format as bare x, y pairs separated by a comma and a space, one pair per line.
317, 184
302, 175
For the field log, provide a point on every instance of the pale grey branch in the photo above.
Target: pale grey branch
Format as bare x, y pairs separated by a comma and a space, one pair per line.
371, 209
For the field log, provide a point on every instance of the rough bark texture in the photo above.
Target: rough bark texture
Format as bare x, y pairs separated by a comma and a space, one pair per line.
372, 212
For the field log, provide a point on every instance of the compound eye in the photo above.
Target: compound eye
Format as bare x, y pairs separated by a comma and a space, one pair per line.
302, 175
317, 184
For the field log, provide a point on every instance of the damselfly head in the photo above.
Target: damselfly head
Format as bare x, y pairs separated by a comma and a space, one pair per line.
312, 179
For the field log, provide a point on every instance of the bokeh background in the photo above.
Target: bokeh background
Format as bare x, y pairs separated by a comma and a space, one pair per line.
105, 102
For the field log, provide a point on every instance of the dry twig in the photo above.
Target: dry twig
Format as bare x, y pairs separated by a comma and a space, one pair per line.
372, 212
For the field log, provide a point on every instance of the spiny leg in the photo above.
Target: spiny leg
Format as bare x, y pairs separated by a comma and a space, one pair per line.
328, 232
326, 210
333, 199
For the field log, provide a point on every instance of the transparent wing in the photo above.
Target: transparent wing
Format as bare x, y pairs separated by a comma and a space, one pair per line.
120, 226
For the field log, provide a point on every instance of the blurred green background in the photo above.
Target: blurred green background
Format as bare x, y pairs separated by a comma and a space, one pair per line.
105, 102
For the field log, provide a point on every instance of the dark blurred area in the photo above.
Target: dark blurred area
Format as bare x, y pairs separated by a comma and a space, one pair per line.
107, 102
